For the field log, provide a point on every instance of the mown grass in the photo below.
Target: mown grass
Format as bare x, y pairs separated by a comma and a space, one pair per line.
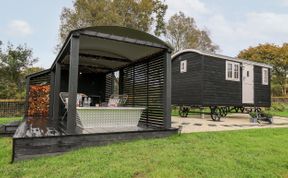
6, 120
250, 153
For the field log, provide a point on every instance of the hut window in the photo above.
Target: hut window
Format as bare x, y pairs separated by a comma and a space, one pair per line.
232, 71
264, 76
183, 66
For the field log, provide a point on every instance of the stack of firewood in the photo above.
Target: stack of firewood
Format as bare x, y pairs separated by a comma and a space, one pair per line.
38, 101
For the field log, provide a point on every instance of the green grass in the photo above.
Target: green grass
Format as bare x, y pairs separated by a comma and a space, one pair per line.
278, 109
249, 153
6, 120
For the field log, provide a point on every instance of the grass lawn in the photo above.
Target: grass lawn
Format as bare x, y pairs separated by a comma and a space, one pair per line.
279, 113
6, 120
246, 153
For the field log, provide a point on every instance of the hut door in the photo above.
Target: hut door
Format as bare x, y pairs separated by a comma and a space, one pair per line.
248, 84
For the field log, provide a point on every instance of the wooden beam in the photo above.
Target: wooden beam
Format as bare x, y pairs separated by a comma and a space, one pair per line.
56, 91
73, 83
27, 95
167, 90
51, 95
105, 58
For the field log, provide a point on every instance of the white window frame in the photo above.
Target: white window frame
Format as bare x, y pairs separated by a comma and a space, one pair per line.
233, 76
265, 78
183, 66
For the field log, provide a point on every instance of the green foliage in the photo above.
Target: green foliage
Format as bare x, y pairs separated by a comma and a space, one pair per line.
15, 63
183, 33
137, 14
274, 55
279, 106
249, 153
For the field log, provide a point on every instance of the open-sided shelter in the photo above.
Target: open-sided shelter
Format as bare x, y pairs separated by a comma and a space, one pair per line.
87, 63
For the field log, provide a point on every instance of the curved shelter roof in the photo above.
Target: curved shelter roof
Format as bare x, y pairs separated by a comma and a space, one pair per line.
219, 56
105, 48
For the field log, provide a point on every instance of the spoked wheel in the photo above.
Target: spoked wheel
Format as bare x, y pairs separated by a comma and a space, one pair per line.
242, 109
183, 111
223, 111
215, 113
257, 110
236, 109
248, 110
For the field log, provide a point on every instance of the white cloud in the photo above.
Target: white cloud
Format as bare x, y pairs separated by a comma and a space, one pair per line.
233, 35
186, 6
19, 28
255, 28
284, 2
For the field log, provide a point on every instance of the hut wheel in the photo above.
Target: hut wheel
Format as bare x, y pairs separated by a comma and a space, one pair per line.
215, 113
242, 109
183, 111
223, 111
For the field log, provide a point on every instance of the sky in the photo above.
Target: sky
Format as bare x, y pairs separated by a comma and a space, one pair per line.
233, 25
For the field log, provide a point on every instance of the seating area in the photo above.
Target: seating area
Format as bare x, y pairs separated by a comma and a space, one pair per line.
102, 115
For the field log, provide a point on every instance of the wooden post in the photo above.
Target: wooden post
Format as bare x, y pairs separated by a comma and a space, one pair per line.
51, 95
167, 90
73, 83
56, 91
27, 95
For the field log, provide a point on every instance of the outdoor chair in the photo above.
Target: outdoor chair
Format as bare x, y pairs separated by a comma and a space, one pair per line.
117, 100
64, 98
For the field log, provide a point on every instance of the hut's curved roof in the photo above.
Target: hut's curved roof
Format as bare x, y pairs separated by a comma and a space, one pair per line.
110, 47
219, 56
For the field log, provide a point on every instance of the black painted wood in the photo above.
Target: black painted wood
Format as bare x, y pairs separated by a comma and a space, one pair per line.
262, 93
186, 87
73, 83
143, 82
205, 84
27, 148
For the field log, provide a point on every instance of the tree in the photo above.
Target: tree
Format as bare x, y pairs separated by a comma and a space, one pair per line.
272, 54
137, 14
14, 61
182, 33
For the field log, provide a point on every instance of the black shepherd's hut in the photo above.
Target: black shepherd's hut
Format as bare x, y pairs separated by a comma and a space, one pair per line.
212, 80
92, 61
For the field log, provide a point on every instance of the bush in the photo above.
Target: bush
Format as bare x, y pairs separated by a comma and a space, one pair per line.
278, 106
276, 90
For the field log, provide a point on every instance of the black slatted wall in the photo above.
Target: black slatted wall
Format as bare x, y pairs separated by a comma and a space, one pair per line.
108, 86
144, 85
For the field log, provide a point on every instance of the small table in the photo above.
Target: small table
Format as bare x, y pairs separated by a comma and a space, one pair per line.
96, 117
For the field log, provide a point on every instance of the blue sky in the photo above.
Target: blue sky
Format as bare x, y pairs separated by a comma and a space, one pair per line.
233, 25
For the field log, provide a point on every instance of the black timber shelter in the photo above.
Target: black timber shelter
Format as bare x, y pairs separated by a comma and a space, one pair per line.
203, 79
143, 62
86, 64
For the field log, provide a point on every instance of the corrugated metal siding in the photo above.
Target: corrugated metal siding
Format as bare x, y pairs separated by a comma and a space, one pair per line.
262, 93
186, 87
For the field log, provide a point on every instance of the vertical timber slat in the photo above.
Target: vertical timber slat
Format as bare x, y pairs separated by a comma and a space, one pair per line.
73, 83
56, 91
167, 90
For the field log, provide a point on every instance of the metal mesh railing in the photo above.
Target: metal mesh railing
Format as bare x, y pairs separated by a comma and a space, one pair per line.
11, 107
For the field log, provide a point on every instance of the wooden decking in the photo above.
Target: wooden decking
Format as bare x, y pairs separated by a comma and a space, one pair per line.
29, 147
